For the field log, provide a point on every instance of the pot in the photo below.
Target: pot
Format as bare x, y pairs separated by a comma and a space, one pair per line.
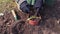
33, 22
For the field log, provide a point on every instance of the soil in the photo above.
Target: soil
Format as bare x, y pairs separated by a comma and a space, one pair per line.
49, 24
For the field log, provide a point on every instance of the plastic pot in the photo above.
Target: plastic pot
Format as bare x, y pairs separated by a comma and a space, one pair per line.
33, 22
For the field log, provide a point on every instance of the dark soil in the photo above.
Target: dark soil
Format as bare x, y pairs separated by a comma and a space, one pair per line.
49, 24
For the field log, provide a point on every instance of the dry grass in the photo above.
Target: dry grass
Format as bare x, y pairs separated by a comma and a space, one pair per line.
6, 4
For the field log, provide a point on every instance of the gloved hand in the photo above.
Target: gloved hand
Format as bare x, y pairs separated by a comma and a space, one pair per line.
36, 10
24, 7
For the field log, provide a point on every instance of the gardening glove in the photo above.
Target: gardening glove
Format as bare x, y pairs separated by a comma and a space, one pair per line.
36, 10
38, 4
24, 7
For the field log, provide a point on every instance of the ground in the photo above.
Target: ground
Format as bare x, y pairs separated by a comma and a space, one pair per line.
50, 20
